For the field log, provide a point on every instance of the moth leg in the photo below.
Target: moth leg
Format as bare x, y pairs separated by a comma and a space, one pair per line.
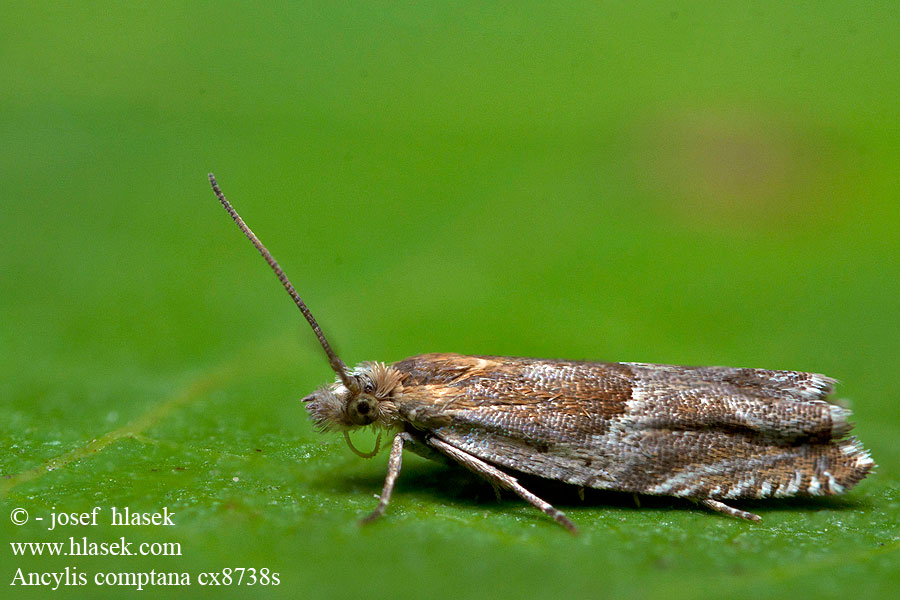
394, 463
496, 491
728, 510
501, 479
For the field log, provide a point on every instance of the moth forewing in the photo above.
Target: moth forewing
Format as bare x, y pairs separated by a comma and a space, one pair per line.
705, 433
702, 433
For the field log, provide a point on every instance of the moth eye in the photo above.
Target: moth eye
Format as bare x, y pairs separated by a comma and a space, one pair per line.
361, 410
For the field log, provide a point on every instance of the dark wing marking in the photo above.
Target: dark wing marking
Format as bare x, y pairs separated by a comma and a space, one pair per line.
780, 405
712, 432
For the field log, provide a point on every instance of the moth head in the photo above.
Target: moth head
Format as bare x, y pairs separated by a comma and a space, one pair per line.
337, 407
361, 397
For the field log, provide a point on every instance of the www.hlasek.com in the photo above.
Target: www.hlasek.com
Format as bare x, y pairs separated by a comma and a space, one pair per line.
76, 546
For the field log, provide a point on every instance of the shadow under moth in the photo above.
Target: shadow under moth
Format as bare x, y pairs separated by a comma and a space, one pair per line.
710, 434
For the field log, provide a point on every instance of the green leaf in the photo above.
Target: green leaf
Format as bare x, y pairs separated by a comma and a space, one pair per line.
685, 184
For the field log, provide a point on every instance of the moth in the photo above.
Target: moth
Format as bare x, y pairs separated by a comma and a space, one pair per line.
709, 434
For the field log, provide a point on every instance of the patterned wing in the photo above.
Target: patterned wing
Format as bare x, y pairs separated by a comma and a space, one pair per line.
704, 432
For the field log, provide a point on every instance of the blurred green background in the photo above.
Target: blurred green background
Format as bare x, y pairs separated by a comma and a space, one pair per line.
687, 183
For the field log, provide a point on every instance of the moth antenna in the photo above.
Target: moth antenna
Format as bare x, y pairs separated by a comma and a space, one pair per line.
334, 360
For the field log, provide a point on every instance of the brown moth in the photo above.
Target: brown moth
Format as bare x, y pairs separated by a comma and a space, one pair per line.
709, 434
